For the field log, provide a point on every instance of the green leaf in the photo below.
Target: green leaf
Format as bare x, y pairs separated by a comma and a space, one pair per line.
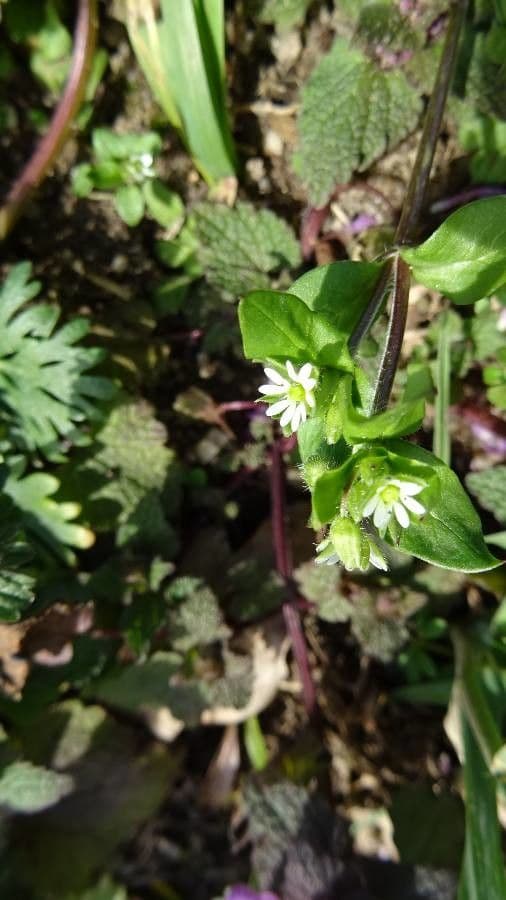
465, 258
164, 205
428, 828
119, 785
197, 621
399, 420
485, 138
255, 745
329, 489
108, 144
352, 113
489, 486
82, 180
16, 585
240, 248
482, 876
130, 479
280, 326
43, 517
44, 391
25, 788
284, 14
192, 42
341, 290
129, 201
450, 534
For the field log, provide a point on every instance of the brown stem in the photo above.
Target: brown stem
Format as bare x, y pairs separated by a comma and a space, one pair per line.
291, 612
395, 335
52, 142
432, 125
412, 206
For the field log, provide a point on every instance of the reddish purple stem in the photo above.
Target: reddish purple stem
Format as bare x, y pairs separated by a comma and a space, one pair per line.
474, 193
54, 139
283, 558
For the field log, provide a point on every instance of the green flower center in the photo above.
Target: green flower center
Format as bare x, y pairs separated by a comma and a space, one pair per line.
390, 494
296, 393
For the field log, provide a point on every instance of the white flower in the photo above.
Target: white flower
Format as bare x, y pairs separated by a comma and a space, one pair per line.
295, 394
394, 498
327, 555
141, 166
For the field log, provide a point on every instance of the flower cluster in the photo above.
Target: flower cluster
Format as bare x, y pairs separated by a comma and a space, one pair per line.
389, 503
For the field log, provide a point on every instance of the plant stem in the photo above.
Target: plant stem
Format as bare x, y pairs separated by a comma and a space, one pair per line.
395, 334
423, 163
54, 139
395, 268
291, 613
442, 443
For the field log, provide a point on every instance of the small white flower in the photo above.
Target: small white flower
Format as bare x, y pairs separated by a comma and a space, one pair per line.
394, 498
327, 556
141, 166
295, 394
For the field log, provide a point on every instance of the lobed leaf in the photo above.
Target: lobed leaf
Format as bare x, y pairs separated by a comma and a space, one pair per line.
44, 391
352, 113
240, 248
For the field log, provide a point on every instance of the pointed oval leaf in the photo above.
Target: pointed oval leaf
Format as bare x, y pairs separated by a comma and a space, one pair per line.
465, 258
275, 325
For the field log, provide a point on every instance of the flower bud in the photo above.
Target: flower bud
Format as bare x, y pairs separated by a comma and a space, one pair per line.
312, 469
350, 544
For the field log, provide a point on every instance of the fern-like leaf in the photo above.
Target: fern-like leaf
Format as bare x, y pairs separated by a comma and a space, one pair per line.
44, 391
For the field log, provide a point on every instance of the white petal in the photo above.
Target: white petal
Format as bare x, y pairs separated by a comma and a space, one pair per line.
381, 516
276, 377
273, 389
287, 415
409, 488
377, 559
303, 412
278, 407
414, 506
291, 371
310, 399
305, 373
401, 515
296, 418
370, 506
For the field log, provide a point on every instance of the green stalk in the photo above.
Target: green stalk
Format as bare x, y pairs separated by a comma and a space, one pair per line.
442, 443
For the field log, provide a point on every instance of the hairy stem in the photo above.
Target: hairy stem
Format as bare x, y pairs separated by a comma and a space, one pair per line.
291, 612
48, 148
395, 335
423, 163
442, 444
409, 216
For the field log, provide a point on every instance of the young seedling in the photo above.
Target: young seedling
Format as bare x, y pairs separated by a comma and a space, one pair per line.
124, 164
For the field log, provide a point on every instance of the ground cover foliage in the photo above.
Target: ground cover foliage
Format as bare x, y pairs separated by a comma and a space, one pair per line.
190, 705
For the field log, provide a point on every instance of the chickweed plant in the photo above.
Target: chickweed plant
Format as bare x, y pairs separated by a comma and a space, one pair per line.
125, 164
373, 490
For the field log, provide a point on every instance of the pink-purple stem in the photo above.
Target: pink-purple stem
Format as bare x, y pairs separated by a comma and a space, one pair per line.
283, 559
473, 193
48, 148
